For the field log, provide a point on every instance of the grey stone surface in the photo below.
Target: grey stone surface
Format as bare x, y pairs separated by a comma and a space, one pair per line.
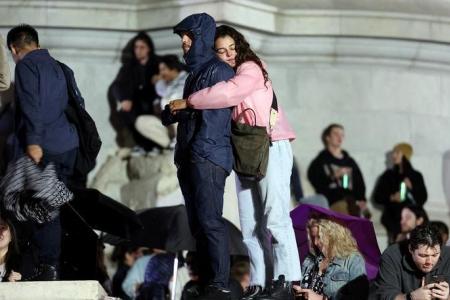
137, 181
52, 290
111, 176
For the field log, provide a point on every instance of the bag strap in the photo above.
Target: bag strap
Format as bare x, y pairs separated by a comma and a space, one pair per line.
273, 114
241, 115
274, 107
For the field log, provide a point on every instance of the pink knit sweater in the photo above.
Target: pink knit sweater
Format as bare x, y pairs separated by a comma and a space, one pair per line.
245, 90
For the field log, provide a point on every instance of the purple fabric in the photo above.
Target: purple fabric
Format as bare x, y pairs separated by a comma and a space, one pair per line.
362, 230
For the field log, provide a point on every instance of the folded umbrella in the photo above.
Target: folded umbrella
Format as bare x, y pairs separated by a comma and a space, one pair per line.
32, 193
362, 230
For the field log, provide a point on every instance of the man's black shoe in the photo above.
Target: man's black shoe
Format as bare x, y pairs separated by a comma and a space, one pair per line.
44, 273
252, 292
215, 293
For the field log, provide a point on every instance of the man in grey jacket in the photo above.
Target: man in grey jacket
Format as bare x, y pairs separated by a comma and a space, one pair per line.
417, 269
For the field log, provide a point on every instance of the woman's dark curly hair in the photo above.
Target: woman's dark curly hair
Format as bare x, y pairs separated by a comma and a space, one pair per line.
128, 55
243, 50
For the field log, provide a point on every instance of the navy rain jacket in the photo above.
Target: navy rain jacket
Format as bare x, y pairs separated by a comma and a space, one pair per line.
42, 97
205, 133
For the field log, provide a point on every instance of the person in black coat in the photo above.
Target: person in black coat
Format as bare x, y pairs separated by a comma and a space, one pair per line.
399, 187
134, 85
336, 175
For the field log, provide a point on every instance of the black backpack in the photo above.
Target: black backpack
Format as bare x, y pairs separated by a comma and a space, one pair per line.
89, 139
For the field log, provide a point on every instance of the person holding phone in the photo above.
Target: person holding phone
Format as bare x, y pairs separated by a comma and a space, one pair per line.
333, 263
416, 269
398, 187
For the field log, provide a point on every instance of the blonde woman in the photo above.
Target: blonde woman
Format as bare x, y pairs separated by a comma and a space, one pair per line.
333, 261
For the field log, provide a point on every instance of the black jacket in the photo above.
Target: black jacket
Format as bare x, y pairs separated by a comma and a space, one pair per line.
320, 174
388, 184
134, 83
205, 133
399, 275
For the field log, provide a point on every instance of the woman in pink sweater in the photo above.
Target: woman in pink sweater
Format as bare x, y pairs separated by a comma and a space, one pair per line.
264, 205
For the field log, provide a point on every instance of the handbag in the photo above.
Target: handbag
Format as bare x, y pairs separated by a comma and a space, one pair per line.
251, 146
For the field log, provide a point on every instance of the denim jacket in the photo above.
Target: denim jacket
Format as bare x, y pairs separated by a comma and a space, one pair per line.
339, 272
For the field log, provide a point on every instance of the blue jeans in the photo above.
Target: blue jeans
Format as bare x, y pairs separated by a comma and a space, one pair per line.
264, 208
47, 236
202, 184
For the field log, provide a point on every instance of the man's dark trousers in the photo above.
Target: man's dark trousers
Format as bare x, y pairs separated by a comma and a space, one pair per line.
202, 184
47, 236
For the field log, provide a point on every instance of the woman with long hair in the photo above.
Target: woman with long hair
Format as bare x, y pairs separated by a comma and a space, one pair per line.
333, 260
398, 187
9, 252
264, 205
134, 86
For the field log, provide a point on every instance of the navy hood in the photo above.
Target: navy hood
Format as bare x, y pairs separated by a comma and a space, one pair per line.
203, 29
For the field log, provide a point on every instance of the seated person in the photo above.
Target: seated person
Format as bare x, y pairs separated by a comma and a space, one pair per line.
333, 261
134, 87
336, 175
443, 230
172, 76
158, 273
408, 268
135, 276
411, 217
8, 252
125, 254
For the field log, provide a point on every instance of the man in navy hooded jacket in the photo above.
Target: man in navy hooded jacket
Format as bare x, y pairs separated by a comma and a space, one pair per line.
203, 152
43, 132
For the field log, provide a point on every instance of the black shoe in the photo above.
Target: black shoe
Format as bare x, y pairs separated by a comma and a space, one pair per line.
279, 290
252, 292
44, 272
215, 293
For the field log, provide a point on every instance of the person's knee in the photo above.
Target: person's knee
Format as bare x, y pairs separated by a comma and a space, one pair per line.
279, 227
212, 224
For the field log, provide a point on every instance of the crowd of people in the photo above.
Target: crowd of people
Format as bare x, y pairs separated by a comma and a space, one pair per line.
159, 103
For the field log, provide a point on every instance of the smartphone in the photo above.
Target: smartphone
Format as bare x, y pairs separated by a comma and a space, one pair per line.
438, 278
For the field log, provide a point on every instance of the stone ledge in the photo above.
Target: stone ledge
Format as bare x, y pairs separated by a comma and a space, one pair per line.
428, 21
52, 290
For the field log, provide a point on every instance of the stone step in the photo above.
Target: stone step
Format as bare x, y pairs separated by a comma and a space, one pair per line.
52, 290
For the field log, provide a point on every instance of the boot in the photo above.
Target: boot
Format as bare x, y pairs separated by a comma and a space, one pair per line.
253, 292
